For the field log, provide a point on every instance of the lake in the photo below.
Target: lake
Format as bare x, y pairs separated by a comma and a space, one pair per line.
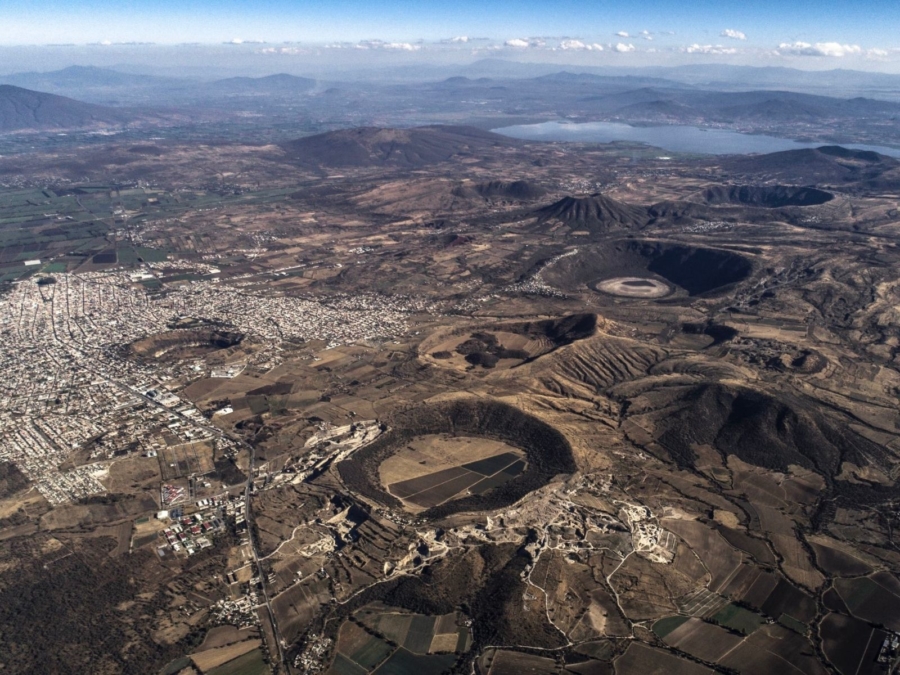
671, 138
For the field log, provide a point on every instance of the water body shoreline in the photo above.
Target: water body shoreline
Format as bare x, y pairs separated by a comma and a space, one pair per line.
674, 138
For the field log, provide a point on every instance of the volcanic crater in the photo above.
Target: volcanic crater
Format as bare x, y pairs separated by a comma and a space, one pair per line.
694, 270
535, 452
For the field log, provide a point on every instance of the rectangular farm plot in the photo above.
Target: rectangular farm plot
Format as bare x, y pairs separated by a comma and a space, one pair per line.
420, 634
407, 488
498, 479
395, 626
739, 619
851, 645
446, 623
476, 477
344, 666
403, 662
639, 659
702, 640
372, 653
870, 600
491, 465
441, 493
443, 642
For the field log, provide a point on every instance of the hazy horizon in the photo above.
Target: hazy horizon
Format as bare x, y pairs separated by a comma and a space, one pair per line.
283, 35
222, 60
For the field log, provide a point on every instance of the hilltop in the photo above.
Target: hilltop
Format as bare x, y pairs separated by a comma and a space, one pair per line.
404, 148
596, 213
827, 164
26, 110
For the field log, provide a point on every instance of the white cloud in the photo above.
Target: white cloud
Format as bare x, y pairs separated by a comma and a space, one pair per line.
623, 48
572, 44
237, 41
460, 38
833, 49
517, 42
284, 50
402, 46
733, 34
578, 45
378, 44
622, 33
718, 50
876, 53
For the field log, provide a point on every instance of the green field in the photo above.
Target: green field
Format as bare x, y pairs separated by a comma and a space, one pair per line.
372, 653
665, 626
739, 619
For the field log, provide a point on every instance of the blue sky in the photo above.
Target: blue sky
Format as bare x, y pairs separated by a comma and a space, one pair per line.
859, 32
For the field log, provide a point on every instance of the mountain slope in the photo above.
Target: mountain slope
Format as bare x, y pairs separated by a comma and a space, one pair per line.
518, 190
26, 110
596, 213
401, 148
830, 164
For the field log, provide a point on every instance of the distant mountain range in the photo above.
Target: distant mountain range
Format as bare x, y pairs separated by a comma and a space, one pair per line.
111, 87
650, 96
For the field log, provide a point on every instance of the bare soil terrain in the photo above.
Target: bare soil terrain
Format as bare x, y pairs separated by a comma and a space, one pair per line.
432, 401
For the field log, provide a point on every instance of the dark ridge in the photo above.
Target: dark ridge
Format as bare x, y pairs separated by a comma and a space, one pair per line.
547, 450
761, 430
562, 331
454, 239
811, 166
12, 480
677, 212
274, 389
23, 109
718, 332
596, 213
153, 150
770, 197
401, 148
518, 190
271, 84
862, 155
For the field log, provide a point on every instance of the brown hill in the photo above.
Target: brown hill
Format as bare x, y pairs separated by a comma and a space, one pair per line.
596, 213
27, 110
402, 148
830, 164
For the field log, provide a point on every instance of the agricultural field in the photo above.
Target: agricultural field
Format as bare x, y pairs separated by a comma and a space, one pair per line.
408, 644
434, 469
